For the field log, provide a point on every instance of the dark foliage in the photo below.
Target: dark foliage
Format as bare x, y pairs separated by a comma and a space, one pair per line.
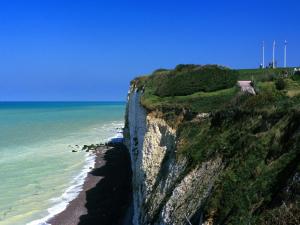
280, 84
188, 79
296, 76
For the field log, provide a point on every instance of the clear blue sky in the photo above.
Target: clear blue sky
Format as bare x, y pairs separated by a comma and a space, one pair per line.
91, 49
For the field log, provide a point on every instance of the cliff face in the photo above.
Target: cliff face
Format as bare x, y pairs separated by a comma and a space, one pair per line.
166, 190
213, 157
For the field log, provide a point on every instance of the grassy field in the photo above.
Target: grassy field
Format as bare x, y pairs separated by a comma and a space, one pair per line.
213, 97
197, 102
262, 74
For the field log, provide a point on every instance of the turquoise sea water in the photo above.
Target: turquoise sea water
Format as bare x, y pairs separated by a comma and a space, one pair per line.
39, 173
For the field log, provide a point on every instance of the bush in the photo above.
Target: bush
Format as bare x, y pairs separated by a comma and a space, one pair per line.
296, 76
159, 71
188, 79
268, 77
280, 84
185, 67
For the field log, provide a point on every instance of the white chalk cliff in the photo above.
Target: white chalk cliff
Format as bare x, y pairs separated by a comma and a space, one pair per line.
165, 189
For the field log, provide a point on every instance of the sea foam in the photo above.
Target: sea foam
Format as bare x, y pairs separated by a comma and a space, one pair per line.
36, 159
61, 203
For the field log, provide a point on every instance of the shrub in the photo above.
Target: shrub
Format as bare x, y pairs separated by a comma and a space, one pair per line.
268, 77
283, 215
185, 67
296, 76
160, 71
280, 84
188, 79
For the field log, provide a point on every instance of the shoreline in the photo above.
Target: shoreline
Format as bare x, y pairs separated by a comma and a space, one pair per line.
71, 193
106, 192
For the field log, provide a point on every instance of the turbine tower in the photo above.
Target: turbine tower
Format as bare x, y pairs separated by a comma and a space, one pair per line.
263, 54
274, 45
285, 45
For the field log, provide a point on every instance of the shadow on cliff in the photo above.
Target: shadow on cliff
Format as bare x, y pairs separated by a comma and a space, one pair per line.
108, 202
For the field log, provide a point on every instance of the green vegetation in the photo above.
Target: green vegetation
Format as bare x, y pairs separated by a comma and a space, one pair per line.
197, 88
257, 137
197, 102
296, 77
263, 75
260, 152
280, 84
206, 88
193, 79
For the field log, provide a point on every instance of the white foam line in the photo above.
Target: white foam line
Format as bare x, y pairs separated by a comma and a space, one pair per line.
70, 194
73, 191
117, 135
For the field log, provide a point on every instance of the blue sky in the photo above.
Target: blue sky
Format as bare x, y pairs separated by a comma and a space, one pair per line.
72, 50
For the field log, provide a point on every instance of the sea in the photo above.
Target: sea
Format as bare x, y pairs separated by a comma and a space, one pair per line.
39, 171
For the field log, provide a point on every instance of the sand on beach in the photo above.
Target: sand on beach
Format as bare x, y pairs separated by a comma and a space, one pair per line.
106, 194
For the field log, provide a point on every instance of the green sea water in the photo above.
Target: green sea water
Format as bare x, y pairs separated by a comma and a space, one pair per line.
39, 173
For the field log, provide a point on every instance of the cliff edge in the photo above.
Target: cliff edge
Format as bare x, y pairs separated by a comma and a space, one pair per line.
204, 153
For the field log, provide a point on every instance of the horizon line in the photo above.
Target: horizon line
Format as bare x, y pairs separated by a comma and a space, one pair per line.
62, 101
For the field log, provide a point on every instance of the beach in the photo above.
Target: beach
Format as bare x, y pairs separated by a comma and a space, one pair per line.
106, 194
40, 138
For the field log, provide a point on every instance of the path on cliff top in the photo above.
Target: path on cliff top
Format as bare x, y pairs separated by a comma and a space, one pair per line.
246, 86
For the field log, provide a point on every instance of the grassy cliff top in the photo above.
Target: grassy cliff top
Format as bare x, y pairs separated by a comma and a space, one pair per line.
208, 88
257, 137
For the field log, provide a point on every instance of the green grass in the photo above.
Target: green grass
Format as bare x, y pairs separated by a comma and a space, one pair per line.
204, 78
268, 86
197, 102
262, 74
257, 138
188, 79
190, 86
258, 161
293, 88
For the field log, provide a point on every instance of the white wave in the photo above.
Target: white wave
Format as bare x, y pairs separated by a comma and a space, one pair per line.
119, 134
61, 203
70, 194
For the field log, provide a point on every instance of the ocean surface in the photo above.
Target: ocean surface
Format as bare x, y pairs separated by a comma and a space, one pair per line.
39, 173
